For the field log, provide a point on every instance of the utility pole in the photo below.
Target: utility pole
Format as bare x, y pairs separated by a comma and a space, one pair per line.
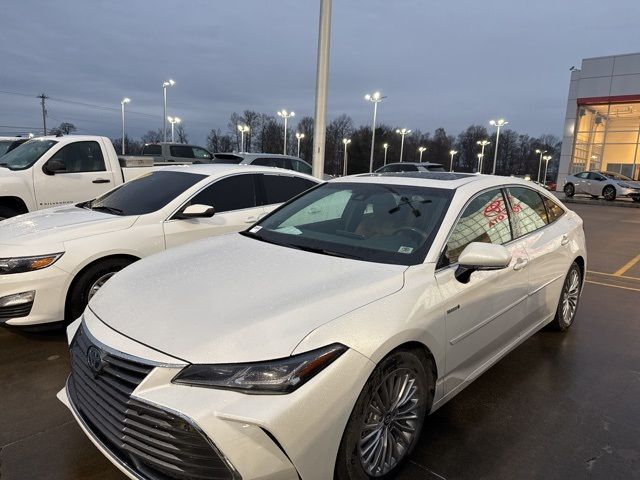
43, 97
322, 86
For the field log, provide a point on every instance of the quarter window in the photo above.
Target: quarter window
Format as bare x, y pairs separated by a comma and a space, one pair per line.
231, 193
281, 188
79, 157
485, 219
528, 209
301, 167
554, 211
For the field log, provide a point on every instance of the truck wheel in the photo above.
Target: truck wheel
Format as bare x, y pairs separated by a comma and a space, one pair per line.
88, 282
7, 212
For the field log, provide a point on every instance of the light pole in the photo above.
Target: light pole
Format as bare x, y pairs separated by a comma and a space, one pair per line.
546, 159
165, 84
402, 132
242, 129
345, 142
498, 124
374, 98
540, 163
122, 102
173, 121
299, 136
421, 150
482, 143
286, 115
386, 147
322, 86
452, 153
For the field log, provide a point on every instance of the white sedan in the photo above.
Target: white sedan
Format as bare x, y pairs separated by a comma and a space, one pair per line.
53, 261
314, 344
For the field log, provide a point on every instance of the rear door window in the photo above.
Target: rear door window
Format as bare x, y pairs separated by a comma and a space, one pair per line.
528, 209
152, 150
181, 151
281, 188
231, 193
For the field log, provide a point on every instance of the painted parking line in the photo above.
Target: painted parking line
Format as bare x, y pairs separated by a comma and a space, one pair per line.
627, 266
612, 285
612, 280
613, 275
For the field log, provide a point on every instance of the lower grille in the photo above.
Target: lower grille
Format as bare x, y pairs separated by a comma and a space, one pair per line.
16, 311
154, 443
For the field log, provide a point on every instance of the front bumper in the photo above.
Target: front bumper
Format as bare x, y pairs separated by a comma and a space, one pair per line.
50, 285
628, 192
261, 436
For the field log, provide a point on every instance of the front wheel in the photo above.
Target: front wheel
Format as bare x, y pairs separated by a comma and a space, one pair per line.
569, 190
387, 418
569, 298
635, 199
609, 193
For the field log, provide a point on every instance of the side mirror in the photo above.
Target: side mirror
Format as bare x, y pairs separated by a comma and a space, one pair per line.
196, 211
481, 256
54, 166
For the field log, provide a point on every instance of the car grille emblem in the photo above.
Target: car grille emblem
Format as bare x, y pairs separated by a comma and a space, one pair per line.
94, 360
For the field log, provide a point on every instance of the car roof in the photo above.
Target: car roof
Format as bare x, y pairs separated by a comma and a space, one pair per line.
424, 164
253, 155
216, 169
13, 139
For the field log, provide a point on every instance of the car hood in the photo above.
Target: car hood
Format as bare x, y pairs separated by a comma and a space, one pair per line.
58, 225
234, 299
631, 183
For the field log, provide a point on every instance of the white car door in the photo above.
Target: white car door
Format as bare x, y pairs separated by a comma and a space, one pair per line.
75, 173
580, 182
486, 314
596, 183
236, 204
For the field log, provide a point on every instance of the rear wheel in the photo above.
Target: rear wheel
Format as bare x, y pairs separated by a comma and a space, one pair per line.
609, 193
388, 416
569, 298
569, 190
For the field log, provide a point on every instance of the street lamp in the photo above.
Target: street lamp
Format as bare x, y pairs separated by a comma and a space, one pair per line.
299, 136
498, 124
242, 129
541, 152
173, 121
452, 153
345, 142
421, 150
482, 143
165, 84
122, 102
385, 146
546, 159
402, 132
286, 115
374, 98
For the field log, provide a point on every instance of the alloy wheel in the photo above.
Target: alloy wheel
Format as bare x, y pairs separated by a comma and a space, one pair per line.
570, 295
609, 193
98, 284
391, 421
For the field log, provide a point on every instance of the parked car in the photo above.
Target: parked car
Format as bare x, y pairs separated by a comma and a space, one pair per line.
175, 152
608, 184
53, 261
49, 171
411, 167
313, 345
266, 160
10, 143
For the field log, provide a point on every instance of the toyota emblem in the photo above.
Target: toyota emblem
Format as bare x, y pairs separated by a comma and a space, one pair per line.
94, 360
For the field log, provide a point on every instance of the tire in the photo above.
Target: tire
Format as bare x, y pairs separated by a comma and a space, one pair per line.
570, 296
569, 190
357, 460
609, 193
635, 199
7, 212
87, 282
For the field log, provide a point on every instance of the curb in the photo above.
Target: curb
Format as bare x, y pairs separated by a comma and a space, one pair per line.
600, 202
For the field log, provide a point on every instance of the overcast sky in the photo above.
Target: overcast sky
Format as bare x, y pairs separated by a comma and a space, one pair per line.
441, 63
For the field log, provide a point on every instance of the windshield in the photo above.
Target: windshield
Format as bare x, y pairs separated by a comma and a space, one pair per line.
26, 154
366, 221
4, 146
611, 175
144, 194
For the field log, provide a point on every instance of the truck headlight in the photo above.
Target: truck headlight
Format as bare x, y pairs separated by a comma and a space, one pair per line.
27, 264
271, 377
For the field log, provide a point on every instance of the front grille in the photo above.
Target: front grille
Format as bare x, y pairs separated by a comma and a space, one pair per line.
154, 443
15, 311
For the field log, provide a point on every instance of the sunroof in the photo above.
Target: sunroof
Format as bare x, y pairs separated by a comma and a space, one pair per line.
425, 175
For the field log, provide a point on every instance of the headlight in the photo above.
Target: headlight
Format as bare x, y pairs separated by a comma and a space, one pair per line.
624, 185
27, 264
271, 377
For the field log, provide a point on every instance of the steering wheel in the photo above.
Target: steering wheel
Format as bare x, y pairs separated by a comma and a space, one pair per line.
414, 232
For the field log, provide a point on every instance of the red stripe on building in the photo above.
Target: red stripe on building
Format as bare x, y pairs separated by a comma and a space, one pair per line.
611, 99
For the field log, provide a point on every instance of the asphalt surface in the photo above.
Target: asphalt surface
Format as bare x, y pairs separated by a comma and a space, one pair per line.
561, 406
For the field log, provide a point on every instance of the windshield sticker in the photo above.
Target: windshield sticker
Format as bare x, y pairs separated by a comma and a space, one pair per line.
405, 250
255, 229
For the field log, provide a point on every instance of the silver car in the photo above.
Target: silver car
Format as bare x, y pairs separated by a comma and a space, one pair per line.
608, 184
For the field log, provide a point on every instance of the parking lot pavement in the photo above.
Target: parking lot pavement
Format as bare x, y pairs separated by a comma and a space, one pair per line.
560, 406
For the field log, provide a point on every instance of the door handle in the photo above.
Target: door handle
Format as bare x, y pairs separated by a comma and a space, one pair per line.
101, 180
520, 264
564, 240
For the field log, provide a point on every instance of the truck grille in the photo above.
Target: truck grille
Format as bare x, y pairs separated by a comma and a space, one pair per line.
152, 442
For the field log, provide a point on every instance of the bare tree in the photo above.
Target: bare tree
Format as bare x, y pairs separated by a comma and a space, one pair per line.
65, 128
152, 136
182, 134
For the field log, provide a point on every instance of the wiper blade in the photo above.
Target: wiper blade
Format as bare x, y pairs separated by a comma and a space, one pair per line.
113, 210
322, 251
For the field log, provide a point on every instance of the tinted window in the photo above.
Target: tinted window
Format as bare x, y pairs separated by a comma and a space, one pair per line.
485, 219
200, 153
384, 169
435, 168
79, 157
302, 167
582, 175
4, 146
223, 158
231, 193
145, 194
528, 209
26, 154
181, 151
554, 211
596, 176
273, 162
152, 150
280, 188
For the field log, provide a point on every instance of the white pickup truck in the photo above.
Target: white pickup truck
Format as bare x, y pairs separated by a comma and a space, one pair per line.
50, 171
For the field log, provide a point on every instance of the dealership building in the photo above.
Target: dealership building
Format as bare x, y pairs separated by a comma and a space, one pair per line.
602, 124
